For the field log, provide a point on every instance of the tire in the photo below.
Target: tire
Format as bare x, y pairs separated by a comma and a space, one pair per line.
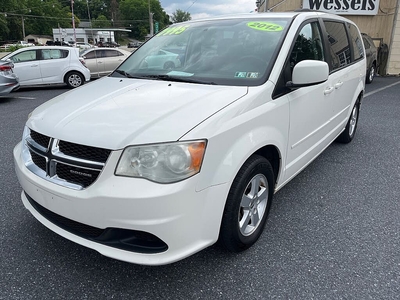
169, 65
74, 79
248, 204
348, 134
370, 74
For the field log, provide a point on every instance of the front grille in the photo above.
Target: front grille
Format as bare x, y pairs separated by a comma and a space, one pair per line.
81, 176
64, 163
84, 152
41, 139
38, 160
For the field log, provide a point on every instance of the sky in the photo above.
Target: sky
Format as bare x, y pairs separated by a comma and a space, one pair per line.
205, 8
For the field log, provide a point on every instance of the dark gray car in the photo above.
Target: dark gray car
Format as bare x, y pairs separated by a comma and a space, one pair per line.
371, 53
8, 80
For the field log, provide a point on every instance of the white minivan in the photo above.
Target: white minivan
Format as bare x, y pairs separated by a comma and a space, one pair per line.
152, 164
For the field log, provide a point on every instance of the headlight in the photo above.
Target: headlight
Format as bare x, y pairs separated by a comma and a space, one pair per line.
163, 163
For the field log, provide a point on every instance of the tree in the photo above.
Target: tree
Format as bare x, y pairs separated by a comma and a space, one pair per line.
180, 16
135, 16
37, 17
101, 22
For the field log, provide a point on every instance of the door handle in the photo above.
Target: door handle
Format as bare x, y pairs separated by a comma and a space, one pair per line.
338, 85
328, 90
32, 66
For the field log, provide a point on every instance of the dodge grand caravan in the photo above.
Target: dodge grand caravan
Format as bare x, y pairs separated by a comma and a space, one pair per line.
152, 164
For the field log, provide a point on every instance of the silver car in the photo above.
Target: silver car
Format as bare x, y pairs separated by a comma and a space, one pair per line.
8, 79
102, 61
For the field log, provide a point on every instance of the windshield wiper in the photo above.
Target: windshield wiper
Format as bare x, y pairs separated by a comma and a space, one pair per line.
126, 74
174, 78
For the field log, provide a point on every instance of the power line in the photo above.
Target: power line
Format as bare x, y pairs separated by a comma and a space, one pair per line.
187, 9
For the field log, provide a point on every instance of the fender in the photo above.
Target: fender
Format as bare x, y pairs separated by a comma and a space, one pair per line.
237, 132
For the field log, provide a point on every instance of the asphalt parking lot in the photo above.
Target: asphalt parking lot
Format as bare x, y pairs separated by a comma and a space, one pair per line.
333, 231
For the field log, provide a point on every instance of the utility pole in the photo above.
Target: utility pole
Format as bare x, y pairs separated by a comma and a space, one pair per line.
73, 19
23, 28
151, 22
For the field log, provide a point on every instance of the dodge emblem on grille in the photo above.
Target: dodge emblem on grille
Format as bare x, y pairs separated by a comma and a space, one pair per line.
80, 173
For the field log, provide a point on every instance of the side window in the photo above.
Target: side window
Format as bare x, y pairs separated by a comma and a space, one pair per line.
356, 42
53, 54
90, 55
111, 53
24, 56
366, 43
339, 47
308, 45
64, 53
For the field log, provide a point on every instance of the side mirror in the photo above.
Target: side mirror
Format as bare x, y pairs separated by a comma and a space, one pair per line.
308, 72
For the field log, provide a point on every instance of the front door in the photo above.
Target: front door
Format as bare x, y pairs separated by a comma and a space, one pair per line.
311, 108
26, 66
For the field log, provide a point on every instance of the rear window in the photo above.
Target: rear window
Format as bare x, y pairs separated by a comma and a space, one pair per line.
355, 39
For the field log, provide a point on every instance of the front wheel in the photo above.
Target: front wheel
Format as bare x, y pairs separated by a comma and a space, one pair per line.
169, 65
348, 134
370, 74
247, 206
74, 80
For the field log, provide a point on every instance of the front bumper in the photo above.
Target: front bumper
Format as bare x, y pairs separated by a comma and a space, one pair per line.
185, 220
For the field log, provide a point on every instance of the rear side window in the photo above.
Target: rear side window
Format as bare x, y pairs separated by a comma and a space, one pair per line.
355, 39
54, 54
339, 47
112, 53
366, 43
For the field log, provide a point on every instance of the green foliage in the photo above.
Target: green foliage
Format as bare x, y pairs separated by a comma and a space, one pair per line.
135, 15
14, 48
4, 31
180, 16
101, 22
41, 16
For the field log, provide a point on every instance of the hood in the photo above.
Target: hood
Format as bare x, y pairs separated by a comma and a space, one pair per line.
113, 113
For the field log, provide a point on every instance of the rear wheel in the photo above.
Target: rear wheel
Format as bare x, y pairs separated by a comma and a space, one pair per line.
74, 79
348, 134
247, 205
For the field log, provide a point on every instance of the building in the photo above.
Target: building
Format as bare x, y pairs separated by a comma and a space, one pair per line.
86, 35
380, 19
38, 39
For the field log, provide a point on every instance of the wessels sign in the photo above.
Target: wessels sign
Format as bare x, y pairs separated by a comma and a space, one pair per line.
344, 7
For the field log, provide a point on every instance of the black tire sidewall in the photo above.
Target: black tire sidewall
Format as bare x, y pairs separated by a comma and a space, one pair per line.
345, 136
230, 234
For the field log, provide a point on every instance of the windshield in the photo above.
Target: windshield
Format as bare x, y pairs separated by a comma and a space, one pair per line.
228, 52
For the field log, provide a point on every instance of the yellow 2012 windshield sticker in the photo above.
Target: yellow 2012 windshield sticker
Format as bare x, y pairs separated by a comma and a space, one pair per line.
173, 30
265, 26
